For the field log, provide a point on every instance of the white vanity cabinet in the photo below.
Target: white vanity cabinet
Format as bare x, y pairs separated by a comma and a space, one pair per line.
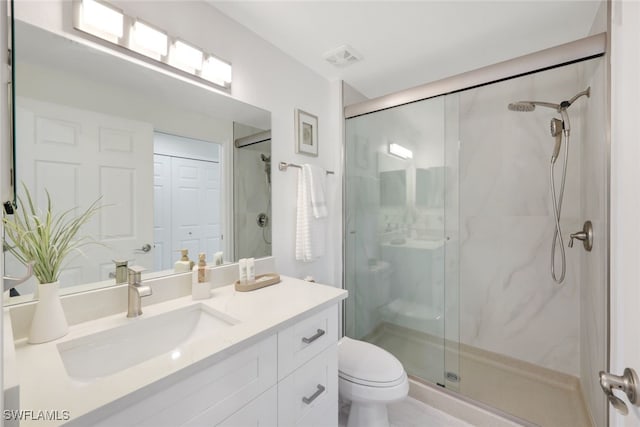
308, 371
307, 389
287, 379
204, 398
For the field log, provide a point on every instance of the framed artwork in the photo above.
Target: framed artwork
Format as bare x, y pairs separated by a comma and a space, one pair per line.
306, 133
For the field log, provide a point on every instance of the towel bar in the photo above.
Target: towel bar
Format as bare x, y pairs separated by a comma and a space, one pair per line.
284, 165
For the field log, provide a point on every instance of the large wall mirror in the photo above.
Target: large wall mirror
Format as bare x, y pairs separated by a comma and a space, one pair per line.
176, 165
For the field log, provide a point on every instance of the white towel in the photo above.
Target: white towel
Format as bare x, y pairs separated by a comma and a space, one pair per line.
310, 231
317, 182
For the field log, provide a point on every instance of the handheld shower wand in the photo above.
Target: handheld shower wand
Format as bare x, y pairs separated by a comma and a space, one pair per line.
556, 131
559, 128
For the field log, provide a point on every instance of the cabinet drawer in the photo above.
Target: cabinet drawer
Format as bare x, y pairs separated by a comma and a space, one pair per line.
262, 412
302, 341
210, 395
309, 396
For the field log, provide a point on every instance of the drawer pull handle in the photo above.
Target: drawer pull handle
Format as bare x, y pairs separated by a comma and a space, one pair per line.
315, 395
313, 338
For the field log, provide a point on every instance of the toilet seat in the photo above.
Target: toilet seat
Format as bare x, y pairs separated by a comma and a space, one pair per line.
369, 365
364, 382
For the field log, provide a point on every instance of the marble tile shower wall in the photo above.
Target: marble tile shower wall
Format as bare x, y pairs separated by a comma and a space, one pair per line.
593, 288
508, 302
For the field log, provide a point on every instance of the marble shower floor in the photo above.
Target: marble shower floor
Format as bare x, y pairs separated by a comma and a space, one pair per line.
538, 395
410, 412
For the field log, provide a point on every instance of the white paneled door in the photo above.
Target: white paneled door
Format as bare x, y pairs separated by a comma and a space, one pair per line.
78, 156
163, 257
195, 209
187, 207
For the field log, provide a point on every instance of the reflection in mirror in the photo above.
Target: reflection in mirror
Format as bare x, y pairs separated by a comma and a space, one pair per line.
157, 148
393, 188
252, 192
430, 185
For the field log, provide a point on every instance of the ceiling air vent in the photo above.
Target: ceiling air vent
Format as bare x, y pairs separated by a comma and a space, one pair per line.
342, 56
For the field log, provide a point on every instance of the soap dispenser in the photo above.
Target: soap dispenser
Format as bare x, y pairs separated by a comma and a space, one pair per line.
200, 285
183, 264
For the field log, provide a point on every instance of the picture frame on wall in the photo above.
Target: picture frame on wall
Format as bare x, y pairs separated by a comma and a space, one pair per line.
306, 133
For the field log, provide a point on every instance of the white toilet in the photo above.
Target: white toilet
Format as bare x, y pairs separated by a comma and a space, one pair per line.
370, 378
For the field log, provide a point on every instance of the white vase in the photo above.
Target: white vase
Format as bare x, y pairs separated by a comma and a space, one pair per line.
49, 321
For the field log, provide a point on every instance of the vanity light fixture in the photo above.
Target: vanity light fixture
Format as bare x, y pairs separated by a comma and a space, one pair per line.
185, 57
400, 151
101, 19
216, 71
148, 40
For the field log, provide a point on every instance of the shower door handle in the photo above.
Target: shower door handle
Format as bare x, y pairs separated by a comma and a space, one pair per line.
627, 382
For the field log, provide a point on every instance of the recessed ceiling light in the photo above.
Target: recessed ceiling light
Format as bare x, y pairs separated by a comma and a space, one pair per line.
342, 56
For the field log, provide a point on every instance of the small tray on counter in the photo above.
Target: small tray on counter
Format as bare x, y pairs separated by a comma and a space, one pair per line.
261, 281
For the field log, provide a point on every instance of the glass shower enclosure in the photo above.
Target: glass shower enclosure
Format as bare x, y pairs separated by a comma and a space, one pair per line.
401, 231
448, 231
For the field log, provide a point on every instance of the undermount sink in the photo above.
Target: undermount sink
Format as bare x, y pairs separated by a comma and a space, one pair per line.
113, 350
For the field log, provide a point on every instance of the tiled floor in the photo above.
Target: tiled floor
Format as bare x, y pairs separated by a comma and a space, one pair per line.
412, 413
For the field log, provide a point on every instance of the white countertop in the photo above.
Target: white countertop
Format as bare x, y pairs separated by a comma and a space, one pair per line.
45, 385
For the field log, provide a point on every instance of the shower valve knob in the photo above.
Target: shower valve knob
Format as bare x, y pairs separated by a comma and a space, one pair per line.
586, 235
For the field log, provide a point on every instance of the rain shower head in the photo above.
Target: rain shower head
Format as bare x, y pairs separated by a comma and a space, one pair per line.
522, 106
526, 106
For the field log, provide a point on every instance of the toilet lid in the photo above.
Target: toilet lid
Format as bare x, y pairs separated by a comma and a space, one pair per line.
363, 362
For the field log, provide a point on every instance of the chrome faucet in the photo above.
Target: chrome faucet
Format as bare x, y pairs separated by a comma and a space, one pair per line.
136, 291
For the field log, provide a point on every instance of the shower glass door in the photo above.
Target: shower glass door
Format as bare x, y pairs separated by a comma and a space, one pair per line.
401, 228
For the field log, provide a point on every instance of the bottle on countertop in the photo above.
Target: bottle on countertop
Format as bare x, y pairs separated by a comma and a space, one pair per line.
200, 286
218, 258
183, 264
202, 265
251, 270
242, 266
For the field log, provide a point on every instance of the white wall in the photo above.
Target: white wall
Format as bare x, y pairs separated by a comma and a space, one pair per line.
263, 76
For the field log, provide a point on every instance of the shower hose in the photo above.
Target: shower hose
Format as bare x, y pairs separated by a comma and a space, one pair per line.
557, 209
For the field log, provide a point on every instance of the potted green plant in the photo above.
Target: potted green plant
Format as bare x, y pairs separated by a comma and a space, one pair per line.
46, 239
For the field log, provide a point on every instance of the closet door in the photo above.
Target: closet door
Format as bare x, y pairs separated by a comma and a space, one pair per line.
164, 251
195, 206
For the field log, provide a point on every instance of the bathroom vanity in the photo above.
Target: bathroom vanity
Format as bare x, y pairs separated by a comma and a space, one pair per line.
266, 357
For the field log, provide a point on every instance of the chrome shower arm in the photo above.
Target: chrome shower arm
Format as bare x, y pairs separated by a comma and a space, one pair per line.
586, 92
547, 104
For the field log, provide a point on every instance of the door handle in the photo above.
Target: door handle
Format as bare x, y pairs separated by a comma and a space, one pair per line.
144, 249
627, 382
